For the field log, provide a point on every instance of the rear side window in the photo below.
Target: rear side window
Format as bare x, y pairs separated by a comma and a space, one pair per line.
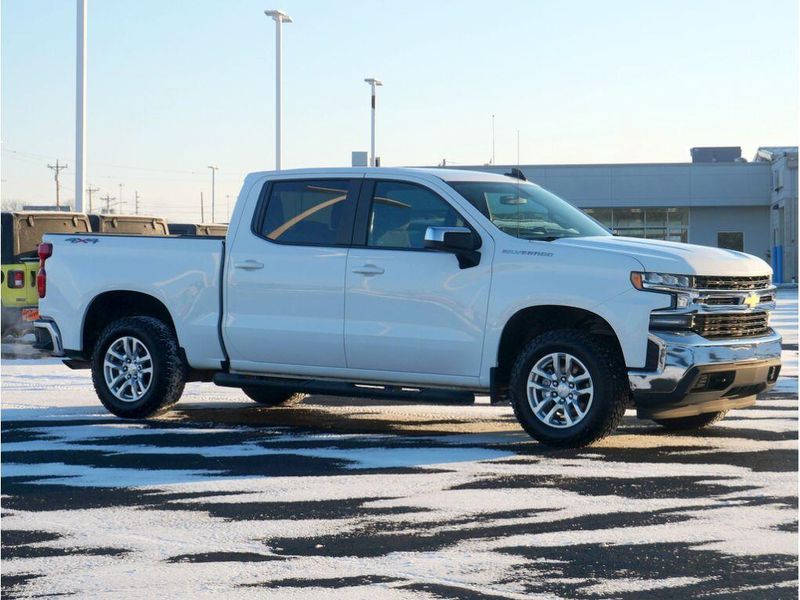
315, 212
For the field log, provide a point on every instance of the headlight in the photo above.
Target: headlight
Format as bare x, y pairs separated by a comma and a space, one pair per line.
660, 281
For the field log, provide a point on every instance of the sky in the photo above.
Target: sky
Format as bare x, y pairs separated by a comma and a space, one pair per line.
175, 86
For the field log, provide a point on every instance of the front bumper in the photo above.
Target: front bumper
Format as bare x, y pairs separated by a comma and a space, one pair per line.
692, 375
48, 337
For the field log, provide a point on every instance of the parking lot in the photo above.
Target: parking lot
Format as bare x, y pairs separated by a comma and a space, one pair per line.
345, 498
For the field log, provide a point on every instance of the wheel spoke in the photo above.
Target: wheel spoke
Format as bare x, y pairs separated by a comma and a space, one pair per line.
539, 386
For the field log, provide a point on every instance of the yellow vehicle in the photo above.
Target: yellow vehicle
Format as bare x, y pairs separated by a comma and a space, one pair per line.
21, 234
129, 224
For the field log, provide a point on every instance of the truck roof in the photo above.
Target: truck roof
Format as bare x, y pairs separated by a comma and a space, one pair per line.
433, 173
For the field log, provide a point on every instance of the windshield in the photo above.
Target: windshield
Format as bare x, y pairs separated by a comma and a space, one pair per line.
527, 211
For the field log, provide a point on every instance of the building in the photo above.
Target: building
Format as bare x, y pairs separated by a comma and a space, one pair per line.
719, 199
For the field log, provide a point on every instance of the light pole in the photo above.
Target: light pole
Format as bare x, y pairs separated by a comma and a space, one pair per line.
120, 197
280, 17
492, 140
80, 104
213, 185
373, 83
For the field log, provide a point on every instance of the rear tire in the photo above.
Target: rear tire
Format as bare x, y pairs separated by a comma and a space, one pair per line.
136, 367
271, 397
692, 422
574, 399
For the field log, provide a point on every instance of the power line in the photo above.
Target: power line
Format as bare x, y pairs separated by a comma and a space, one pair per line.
56, 171
108, 200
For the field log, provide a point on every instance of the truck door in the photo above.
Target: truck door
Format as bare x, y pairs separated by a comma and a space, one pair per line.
408, 308
284, 300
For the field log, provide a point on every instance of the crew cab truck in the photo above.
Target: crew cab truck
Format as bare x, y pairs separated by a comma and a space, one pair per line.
422, 284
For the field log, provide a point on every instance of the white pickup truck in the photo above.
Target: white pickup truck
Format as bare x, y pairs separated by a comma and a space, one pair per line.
416, 284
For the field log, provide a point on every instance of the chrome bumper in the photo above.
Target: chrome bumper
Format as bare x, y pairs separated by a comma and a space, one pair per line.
737, 369
48, 337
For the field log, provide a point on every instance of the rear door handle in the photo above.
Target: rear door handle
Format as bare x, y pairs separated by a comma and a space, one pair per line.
249, 265
369, 270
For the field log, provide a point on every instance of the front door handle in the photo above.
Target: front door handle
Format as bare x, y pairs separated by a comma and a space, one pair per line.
369, 270
249, 265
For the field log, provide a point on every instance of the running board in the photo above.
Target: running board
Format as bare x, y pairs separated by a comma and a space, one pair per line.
350, 390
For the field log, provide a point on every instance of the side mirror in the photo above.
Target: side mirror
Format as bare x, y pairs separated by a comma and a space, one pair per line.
461, 241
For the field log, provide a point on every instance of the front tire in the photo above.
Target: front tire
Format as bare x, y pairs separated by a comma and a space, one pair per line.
692, 422
568, 388
136, 367
271, 397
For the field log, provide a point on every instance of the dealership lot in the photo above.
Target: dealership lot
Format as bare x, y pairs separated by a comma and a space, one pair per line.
352, 498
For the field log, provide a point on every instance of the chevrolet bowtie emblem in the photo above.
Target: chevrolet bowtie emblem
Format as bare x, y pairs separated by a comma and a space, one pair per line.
752, 300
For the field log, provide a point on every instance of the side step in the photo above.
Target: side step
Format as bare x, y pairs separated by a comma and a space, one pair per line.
350, 390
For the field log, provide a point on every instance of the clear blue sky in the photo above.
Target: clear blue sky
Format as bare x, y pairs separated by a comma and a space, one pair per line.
175, 86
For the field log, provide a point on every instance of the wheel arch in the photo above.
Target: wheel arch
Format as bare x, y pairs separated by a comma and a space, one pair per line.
112, 305
532, 321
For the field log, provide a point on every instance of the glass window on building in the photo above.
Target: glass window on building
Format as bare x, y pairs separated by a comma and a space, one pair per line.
670, 224
730, 240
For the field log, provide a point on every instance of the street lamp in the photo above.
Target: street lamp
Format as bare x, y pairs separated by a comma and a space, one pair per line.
373, 83
80, 104
213, 185
280, 17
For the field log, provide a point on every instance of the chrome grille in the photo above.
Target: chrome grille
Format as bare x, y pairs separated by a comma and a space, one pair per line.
746, 324
706, 282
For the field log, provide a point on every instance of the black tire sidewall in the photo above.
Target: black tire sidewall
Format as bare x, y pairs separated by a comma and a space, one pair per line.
603, 400
153, 400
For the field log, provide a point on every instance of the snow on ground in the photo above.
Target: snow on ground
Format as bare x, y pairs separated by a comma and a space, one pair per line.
341, 498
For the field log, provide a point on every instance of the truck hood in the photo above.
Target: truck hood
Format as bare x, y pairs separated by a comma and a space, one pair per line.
674, 257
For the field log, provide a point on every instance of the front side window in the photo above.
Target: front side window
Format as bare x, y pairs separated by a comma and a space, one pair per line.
527, 211
401, 212
306, 212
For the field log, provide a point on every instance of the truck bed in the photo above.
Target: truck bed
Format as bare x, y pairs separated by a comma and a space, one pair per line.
183, 273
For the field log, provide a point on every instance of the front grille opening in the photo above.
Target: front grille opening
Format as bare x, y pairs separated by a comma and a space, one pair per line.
713, 382
706, 282
747, 324
772, 374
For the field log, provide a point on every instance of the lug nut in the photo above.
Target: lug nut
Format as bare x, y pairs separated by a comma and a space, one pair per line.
571, 385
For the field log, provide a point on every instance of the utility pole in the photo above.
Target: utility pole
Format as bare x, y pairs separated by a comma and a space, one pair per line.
136, 205
202, 211
493, 140
57, 168
373, 83
80, 104
213, 198
90, 190
120, 197
279, 17
108, 200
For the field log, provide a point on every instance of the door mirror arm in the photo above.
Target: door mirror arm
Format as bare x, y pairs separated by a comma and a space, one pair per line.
461, 241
